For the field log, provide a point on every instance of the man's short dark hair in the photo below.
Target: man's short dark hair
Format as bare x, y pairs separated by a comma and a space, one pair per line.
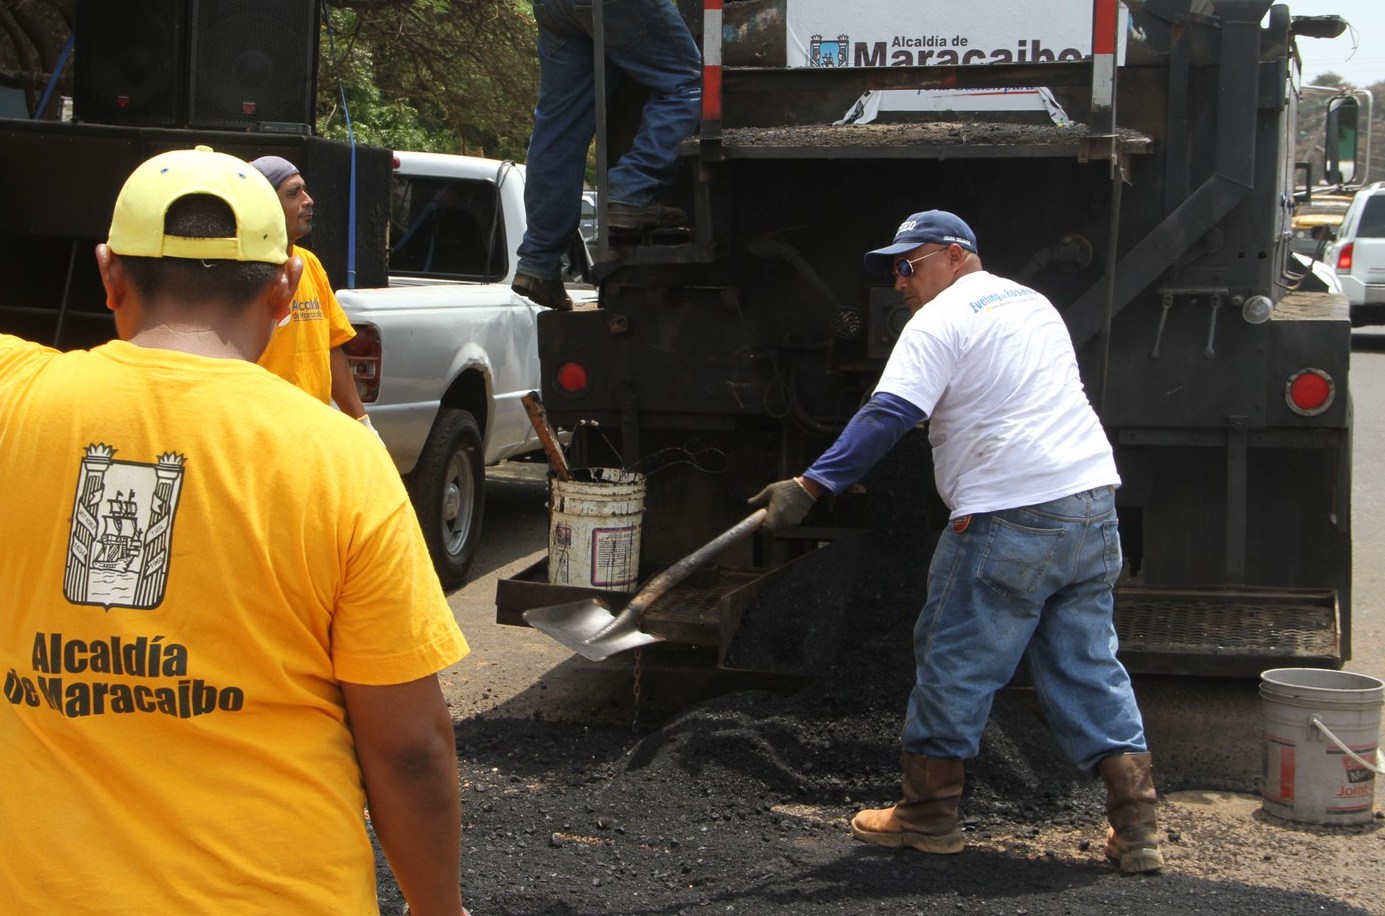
236, 283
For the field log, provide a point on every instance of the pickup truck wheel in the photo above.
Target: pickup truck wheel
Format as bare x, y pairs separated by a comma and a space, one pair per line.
447, 487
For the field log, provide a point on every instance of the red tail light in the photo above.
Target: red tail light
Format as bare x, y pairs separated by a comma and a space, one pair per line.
1344, 256
363, 354
572, 378
1309, 392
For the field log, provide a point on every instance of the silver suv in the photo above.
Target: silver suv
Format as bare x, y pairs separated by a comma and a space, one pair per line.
1357, 255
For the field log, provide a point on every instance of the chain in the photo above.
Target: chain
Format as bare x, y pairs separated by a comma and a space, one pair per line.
639, 670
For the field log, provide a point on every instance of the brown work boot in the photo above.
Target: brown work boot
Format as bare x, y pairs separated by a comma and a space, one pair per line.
548, 293
1132, 839
926, 817
632, 217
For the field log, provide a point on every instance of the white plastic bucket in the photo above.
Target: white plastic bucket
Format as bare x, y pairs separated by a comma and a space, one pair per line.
1322, 737
594, 524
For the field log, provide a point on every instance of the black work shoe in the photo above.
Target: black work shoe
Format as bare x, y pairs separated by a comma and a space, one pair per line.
548, 293
650, 216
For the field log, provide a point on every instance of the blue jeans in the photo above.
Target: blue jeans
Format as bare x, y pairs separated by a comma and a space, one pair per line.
1031, 582
646, 40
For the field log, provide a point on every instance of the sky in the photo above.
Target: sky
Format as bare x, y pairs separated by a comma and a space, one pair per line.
1362, 67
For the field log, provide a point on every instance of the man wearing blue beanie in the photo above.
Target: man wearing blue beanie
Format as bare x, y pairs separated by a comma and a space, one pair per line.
306, 347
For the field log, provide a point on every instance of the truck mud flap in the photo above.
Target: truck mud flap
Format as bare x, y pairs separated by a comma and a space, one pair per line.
1226, 632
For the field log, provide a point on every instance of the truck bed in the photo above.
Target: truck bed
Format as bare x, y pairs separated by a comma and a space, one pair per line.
1312, 306
914, 140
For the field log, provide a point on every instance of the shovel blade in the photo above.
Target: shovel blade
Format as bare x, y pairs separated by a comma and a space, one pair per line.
577, 623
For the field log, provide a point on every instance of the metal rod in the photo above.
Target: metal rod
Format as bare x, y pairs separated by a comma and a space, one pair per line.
67, 289
603, 233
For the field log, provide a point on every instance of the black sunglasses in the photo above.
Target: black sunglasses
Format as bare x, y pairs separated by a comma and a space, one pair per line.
905, 267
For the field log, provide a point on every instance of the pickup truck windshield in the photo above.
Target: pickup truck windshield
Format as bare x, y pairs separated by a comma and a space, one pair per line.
445, 228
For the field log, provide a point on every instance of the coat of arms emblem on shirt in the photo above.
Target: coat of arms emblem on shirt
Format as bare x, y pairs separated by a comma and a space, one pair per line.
122, 526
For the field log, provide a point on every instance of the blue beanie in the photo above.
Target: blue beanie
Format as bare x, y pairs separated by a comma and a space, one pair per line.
276, 168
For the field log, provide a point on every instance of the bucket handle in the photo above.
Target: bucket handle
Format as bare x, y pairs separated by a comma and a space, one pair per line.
1376, 767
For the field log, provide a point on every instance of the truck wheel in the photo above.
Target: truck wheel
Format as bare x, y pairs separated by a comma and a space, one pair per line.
447, 487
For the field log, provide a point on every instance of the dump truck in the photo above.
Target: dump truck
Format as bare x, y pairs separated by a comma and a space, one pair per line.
1140, 174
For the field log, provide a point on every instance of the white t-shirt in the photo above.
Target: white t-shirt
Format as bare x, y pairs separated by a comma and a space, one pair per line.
991, 364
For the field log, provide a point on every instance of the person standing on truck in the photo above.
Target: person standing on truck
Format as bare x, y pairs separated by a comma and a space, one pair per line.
648, 41
221, 630
306, 348
1026, 566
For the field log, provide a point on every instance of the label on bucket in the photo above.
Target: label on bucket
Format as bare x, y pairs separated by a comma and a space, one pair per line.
1349, 787
613, 560
1279, 770
1360, 780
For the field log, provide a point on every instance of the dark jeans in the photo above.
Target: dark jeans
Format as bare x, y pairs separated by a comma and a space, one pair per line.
646, 40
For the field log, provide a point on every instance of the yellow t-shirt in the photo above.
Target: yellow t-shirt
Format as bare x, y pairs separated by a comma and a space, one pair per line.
196, 555
301, 350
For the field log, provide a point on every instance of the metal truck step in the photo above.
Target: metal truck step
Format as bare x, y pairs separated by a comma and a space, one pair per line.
686, 614
1211, 632
1226, 633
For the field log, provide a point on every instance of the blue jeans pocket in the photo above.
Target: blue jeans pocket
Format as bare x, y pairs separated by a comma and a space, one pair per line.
1016, 558
1111, 550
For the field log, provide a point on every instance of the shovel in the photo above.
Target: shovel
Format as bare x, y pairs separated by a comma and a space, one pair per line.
588, 627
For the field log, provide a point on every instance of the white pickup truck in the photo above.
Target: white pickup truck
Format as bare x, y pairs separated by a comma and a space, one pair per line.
443, 354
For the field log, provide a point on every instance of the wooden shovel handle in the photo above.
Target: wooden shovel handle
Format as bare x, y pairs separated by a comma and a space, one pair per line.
662, 582
539, 417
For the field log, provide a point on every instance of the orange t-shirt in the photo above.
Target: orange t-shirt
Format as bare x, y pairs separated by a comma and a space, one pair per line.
196, 555
301, 349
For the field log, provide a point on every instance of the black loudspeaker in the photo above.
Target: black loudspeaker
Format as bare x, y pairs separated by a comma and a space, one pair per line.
252, 64
129, 62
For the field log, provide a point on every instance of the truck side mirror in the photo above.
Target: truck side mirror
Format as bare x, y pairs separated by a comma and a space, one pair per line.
1342, 119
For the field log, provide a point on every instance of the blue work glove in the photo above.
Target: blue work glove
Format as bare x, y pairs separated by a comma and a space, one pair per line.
787, 502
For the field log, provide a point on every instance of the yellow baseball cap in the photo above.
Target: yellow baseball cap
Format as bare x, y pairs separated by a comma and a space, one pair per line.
137, 225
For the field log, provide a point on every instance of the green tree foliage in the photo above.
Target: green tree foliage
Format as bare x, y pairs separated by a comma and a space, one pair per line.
456, 76
32, 35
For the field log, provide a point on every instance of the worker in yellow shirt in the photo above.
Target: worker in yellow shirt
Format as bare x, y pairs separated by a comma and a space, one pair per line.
221, 632
306, 346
